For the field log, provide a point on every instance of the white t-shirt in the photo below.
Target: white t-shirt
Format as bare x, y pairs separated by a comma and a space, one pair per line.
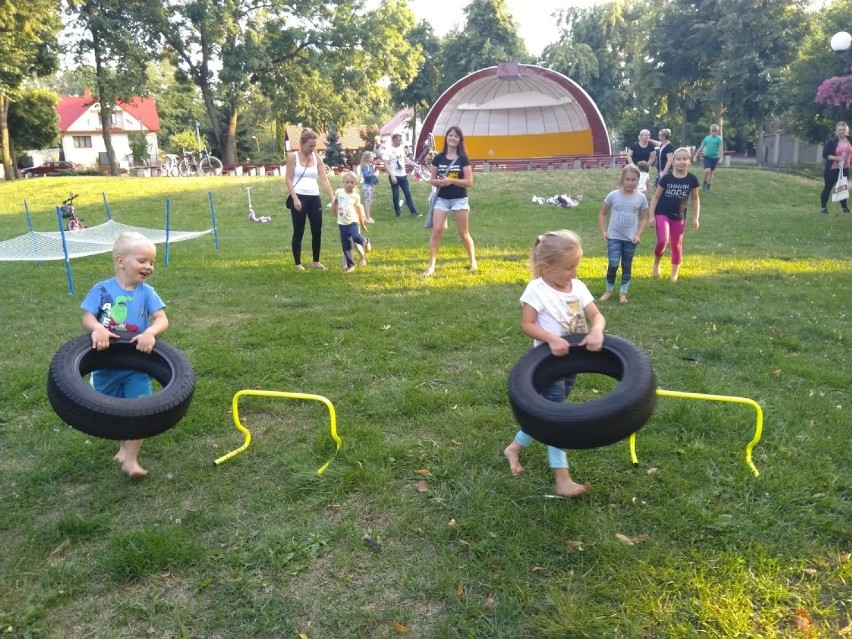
347, 204
394, 157
559, 313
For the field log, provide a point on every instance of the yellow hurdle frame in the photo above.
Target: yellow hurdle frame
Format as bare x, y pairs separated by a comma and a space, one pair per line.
758, 429
264, 393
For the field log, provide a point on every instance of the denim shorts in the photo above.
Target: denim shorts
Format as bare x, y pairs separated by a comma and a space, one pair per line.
125, 384
455, 204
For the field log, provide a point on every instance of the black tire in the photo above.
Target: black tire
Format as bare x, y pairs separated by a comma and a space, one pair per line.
600, 422
82, 407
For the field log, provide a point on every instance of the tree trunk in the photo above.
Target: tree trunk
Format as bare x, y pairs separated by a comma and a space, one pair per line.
760, 147
107, 103
229, 148
8, 169
210, 105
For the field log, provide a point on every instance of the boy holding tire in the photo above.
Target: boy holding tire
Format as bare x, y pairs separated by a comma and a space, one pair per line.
126, 302
554, 304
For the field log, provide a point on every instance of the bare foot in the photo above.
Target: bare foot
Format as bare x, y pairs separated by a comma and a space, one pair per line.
119, 456
133, 470
622, 298
513, 455
655, 274
673, 278
605, 296
571, 489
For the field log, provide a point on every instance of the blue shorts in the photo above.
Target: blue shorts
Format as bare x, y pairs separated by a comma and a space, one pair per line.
452, 205
710, 163
124, 384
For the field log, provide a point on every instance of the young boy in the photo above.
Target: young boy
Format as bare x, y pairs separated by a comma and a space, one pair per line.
350, 218
642, 187
712, 147
121, 304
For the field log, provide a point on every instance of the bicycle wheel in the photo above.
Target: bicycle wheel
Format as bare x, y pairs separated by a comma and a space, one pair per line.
185, 168
210, 166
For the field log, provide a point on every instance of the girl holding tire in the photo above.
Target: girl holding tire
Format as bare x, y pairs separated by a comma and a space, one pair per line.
556, 303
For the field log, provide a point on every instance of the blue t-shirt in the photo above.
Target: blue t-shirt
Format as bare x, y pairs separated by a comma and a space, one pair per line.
118, 309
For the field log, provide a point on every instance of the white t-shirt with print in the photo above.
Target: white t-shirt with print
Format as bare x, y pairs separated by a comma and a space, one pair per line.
570, 306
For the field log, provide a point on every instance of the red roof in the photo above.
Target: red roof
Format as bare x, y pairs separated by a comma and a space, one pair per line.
395, 121
72, 108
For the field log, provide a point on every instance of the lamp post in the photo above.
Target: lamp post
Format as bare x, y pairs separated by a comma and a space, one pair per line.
841, 44
257, 144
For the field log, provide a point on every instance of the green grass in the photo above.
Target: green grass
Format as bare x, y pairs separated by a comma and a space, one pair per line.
263, 547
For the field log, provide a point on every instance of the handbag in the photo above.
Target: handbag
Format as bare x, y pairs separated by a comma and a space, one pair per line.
841, 189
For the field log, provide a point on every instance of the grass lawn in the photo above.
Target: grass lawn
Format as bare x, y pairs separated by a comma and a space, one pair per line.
261, 546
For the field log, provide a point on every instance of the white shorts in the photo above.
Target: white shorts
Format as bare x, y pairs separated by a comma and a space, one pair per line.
455, 204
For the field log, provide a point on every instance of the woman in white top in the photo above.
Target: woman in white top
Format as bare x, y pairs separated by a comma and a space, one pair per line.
303, 176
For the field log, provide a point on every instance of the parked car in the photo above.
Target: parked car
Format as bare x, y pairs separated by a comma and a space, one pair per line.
50, 168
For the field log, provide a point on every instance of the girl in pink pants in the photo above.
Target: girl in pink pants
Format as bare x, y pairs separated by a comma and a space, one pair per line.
668, 210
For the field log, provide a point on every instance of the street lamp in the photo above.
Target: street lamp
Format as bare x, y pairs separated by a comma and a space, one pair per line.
841, 44
254, 137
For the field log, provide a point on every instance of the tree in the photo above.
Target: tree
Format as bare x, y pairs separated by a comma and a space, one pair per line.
750, 72
33, 121
490, 36
28, 42
318, 61
108, 30
334, 155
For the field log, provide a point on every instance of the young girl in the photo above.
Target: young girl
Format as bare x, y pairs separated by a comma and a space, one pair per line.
556, 303
369, 180
350, 218
668, 210
626, 225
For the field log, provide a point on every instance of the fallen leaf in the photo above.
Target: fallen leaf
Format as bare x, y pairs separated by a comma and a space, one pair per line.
464, 543
651, 471
810, 571
460, 589
845, 559
845, 632
456, 442
421, 486
777, 372
537, 569
624, 539
802, 621
575, 545
400, 628
423, 472
451, 523
489, 602
302, 635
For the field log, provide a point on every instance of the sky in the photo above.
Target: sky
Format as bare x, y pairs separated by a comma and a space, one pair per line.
536, 26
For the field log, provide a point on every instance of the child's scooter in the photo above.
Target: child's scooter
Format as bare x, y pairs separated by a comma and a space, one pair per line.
263, 219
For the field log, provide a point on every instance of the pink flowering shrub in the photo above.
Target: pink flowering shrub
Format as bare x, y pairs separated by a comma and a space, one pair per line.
836, 91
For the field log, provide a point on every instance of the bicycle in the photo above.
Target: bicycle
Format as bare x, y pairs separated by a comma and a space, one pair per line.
422, 168
169, 167
205, 164
66, 209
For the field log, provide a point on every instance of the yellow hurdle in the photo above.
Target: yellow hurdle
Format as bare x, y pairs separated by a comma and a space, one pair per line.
263, 393
758, 429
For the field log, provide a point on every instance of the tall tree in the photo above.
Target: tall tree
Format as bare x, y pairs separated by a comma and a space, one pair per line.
750, 70
318, 60
109, 29
28, 45
425, 87
33, 121
490, 36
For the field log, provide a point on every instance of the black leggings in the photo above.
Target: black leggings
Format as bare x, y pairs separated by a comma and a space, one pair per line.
311, 210
830, 177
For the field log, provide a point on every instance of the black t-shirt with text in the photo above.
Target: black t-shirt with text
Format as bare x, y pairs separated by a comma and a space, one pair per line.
452, 169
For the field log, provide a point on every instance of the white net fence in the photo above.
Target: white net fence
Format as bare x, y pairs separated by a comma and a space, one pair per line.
39, 246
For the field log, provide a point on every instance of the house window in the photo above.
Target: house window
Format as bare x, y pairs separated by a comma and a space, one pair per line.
82, 141
113, 119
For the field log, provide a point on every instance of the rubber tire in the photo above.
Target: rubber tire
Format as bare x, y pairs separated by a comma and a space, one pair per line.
82, 407
600, 422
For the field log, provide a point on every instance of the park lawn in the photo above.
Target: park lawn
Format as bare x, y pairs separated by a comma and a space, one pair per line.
686, 543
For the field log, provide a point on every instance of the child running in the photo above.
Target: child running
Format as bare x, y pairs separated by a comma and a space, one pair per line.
369, 180
668, 210
350, 218
626, 225
556, 303
125, 303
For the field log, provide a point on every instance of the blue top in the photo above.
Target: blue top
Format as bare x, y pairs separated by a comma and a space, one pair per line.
118, 309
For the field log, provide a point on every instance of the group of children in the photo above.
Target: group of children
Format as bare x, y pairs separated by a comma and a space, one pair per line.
553, 304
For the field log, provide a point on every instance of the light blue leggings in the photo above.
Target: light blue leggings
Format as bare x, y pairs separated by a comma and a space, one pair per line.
556, 392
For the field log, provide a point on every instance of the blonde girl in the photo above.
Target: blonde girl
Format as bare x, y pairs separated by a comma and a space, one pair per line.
668, 210
369, 180
626, 224
556, 303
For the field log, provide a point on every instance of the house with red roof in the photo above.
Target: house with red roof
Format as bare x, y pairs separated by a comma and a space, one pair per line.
400, 123
82, 137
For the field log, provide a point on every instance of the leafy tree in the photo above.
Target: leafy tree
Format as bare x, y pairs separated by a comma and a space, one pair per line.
750, 72
490, 36
28, 42
318, 60
425, 88
33, 121
815, 62
108, 29
179, 103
